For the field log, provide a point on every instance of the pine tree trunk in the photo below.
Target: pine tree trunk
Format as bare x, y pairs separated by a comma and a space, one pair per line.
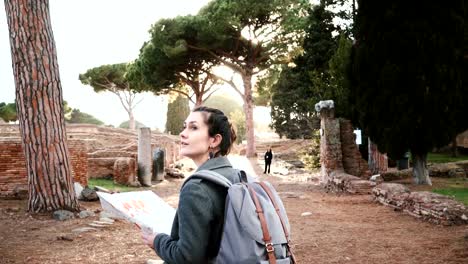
40, 106
198, 100
248, 109
420, 172
131, 120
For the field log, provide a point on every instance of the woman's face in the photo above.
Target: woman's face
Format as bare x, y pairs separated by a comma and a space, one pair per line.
194, 139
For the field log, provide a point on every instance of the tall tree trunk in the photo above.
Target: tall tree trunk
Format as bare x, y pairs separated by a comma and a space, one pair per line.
40, 106
131, 120
248, 109
420, 172
198, 100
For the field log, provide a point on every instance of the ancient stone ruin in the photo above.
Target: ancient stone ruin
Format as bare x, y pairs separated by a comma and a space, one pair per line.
342, 167
95, 152
432, 207
338, 153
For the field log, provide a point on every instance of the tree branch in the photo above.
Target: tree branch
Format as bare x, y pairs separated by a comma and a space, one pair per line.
227, 63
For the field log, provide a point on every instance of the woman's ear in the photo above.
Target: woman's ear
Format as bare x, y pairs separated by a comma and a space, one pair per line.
216, 140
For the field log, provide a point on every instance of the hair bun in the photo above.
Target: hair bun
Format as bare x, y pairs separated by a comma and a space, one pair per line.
233, 133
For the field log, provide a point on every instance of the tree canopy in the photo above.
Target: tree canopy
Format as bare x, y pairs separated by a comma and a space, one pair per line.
113, 78
8, 112
78, 117
249, 37
224, 103
177, 112
317, 74
165, 64
233, 110
408, 75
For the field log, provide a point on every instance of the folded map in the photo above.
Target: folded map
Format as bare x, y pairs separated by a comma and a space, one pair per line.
144, 208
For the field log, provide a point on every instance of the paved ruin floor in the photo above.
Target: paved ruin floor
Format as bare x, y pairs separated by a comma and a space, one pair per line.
340, 229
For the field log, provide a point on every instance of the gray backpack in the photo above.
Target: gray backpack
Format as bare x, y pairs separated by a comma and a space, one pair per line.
252, 235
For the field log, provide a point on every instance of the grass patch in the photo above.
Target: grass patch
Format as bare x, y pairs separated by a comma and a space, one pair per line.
110, 185
460, 194
444, 158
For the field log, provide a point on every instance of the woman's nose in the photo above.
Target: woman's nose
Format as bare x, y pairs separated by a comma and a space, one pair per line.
182, 133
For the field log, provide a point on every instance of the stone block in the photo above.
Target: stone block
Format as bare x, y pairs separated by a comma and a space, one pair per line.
125, 171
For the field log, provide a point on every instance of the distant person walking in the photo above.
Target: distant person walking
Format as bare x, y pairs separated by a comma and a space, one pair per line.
268, 158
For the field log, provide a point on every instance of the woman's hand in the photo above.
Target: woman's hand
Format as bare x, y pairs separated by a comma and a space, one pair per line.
148, 237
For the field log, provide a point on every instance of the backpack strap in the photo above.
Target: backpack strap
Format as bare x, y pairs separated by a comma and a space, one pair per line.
266, 234
285, 230
212, 176
243, 176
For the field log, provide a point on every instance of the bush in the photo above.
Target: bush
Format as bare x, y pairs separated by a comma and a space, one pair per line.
310, 155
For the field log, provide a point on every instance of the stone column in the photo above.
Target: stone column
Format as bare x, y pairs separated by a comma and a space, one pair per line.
330, 143
158, 164
144, 156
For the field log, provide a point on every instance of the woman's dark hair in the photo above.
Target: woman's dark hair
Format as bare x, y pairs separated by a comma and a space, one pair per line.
218, 123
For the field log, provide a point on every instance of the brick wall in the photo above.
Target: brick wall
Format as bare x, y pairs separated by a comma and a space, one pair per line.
79, 161
13, 173
353, 163
12, 166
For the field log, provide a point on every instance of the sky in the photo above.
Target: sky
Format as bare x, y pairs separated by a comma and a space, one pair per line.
91, 33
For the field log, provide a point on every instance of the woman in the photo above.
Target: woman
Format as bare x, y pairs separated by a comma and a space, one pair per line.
268, 158
196, 231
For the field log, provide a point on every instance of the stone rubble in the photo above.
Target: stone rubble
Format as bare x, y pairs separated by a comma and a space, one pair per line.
428, 206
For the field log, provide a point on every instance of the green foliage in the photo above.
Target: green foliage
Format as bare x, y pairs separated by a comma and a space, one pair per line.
223, 103
310, 155
126, 124
292, 112
106, 77
319, 74
339, 88
237, 119
165, 64
252, 34
8, 112
408, 74
177, 112
67, 110
233, 110
109, 185
263, 87
78, 117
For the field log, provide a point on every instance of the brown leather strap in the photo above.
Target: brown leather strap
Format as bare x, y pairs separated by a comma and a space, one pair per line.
266, 235
283, 224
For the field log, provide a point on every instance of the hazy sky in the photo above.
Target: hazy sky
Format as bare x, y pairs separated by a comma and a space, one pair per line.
90, 33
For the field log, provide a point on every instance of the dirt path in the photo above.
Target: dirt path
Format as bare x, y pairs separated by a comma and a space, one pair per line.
340, 229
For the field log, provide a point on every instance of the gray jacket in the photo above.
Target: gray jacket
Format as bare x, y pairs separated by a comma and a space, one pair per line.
198, 223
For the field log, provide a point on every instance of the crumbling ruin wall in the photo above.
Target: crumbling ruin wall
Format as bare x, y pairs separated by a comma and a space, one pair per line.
353, 163
342, 167
13, 173
431, 207
79, 161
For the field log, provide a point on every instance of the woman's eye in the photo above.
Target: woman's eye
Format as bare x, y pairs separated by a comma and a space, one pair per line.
194, 128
